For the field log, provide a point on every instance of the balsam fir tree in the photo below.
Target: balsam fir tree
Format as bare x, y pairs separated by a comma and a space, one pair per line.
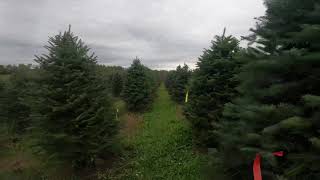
117, 84
16, 90
278, 109
20, 86
138, 90
211, 87
74, 119
3, 112
177, 82
169, 80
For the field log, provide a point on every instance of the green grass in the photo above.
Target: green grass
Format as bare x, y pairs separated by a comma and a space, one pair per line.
16, 159
163, 147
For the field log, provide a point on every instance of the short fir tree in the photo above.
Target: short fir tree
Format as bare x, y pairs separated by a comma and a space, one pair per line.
117, 84
138, 90
16, 93
177, 82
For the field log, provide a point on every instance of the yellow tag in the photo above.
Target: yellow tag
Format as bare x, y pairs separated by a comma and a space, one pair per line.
117, 114
187, 97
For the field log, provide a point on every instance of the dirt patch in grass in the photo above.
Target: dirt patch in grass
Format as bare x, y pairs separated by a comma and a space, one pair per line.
130, 124
19, 163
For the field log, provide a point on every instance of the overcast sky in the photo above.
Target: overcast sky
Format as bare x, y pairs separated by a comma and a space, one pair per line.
163, 33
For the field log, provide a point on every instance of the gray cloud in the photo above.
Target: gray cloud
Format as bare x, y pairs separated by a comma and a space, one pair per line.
162, 33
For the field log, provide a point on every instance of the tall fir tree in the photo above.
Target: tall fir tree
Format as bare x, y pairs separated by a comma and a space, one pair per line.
74, 119
278, 109
211, 87
138, 90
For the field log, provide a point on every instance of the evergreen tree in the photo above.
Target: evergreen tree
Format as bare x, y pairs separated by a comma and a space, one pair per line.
272, 33
138, 90
21, 84
74, 121
211, 87
3, 113
177, 82
278, 109
117, 84
161, 75
107, 73
17, 88
170, 80
3, 70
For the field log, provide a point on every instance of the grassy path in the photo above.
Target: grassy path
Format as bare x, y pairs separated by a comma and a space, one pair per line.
163, 145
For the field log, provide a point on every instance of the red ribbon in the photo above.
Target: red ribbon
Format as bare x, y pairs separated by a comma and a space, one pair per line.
256, 165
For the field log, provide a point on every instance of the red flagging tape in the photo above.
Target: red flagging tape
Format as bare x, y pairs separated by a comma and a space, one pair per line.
256, 165
256, 168
280, 153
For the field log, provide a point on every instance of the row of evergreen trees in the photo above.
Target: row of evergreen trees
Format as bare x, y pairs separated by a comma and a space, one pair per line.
177, 81
113, 78
262, 99
17, 83
65, 103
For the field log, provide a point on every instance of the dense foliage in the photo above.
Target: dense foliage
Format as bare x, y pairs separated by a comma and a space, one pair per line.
177, 82
112, 77
211, 87
261, 99
278, 109
17, 86
74, 119
140, 87
117, 84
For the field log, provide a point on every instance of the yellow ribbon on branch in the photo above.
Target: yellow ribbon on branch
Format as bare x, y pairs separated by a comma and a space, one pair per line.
187, 97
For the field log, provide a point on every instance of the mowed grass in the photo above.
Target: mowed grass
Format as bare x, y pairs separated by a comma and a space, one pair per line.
162, 149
